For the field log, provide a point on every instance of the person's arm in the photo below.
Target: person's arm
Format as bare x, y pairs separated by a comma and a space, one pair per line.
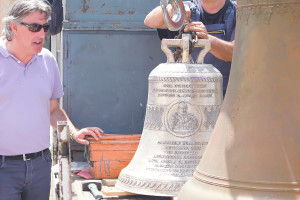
58, 114
220, 48
155, 18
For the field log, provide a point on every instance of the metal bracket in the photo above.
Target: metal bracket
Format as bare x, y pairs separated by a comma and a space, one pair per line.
184, 45
64, 160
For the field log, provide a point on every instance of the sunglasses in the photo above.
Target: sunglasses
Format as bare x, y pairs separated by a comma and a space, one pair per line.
36, 27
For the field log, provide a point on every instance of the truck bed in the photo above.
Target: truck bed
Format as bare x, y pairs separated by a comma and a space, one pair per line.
108, 189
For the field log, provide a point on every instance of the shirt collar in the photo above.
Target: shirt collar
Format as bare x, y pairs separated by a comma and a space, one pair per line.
3, 49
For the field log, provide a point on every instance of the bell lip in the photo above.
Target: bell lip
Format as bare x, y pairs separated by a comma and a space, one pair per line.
149, 187
246, 185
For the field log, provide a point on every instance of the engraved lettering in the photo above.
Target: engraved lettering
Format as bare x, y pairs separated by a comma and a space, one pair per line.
184, 91
266, 9
177, 158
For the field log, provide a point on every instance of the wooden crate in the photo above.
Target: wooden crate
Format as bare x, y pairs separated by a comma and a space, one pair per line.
108, 155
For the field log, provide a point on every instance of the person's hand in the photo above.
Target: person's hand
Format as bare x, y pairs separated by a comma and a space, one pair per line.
79, 136
198, 28
187, 13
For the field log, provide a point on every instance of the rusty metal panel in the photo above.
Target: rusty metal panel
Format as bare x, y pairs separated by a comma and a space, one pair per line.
107, 14
107, 56
106, 77
108, 10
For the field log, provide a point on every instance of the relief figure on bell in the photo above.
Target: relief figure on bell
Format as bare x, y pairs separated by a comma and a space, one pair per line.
182, 120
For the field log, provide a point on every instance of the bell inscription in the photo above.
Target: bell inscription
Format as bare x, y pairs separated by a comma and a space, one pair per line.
176, 158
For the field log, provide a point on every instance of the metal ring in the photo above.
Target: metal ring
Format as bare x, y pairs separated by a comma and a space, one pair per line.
177, 21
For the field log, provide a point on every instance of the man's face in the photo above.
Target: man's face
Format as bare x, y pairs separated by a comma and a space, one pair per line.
31, 42
182, 109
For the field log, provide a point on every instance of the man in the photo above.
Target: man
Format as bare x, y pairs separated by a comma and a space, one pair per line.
211, 19
29, 90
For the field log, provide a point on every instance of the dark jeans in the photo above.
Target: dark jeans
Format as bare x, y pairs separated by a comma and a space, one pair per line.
30, 180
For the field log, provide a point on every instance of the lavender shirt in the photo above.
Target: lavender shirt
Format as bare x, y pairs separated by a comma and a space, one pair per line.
25, 94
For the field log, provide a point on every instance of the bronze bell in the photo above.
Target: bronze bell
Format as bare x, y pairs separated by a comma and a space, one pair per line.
254, 151
184, 100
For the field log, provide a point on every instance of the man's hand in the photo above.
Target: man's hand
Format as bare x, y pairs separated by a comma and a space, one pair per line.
58, 114
79, 136
198, 28
220, 48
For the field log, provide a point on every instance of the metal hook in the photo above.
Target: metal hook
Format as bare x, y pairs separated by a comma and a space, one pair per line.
177, 21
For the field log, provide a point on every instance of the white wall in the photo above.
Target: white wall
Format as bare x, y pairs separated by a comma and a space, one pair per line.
4, 5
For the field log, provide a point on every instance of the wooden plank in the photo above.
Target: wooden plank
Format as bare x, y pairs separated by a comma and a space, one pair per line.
109, 182
112, 191
114, 146
116, 137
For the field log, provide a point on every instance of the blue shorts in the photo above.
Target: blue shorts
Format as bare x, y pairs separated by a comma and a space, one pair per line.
26, 180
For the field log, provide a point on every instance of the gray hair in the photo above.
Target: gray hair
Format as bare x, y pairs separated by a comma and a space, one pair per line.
20, 9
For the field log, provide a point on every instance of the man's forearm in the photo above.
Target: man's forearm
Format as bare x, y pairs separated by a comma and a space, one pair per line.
155, 19
221, 49
60, 115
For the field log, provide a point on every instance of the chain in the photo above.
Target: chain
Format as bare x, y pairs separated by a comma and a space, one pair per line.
178, 52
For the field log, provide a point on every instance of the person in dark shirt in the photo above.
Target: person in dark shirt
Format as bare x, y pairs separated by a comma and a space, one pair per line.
211, 19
